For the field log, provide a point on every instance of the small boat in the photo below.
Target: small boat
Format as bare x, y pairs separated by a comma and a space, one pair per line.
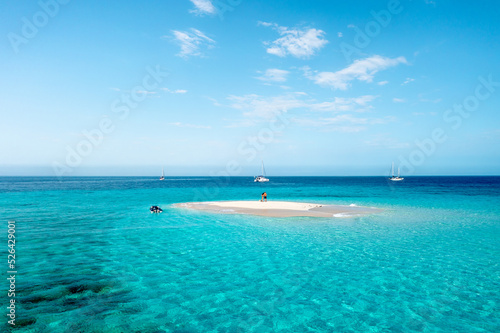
162, 174
155, 209
394, 178
262, 178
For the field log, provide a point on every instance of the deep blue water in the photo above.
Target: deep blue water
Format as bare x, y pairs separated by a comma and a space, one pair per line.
91, 258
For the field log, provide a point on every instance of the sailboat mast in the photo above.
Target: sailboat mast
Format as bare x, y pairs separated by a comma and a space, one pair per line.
392, 169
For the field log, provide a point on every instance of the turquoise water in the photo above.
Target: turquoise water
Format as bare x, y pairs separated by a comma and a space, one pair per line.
91, 258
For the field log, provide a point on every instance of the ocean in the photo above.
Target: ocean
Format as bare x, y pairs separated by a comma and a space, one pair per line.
90, 257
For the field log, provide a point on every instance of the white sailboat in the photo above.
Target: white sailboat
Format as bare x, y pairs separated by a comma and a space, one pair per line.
162, 174
394, 178
262, 178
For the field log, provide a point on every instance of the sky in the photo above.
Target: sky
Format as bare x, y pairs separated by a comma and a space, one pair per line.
214, 87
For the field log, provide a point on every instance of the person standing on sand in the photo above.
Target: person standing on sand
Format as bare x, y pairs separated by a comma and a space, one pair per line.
264, 197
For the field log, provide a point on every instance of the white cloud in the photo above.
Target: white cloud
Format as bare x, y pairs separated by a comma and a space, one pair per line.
139, 92
266, 24
255, 106
425, 98
214, 101
362, 70
191, 42
145, 92
296, 42
398, 100
179, 124
274, 75
408, 80
382, 83
203, 7
339, 34
177, 91
346, 118
344, 104
308, 73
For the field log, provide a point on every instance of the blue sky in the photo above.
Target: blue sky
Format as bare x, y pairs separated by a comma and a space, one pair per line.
310, 87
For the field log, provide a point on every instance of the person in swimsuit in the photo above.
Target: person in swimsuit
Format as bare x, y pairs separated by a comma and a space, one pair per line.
264, 197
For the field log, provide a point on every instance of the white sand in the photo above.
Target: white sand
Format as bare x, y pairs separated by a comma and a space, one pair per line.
264, 205
278, 208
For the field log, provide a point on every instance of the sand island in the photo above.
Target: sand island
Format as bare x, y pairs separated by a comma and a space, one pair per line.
279, 208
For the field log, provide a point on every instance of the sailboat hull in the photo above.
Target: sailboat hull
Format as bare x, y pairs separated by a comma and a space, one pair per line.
261, 179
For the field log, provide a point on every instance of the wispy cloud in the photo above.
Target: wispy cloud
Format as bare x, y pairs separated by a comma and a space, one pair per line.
266, 24
408, 80
274, 75
382, 83
256, 106
145, 92
344, 104
398, 100
429, 97
203, 7
362, 70
214, 101
176, 91
300, 43
192, 41
179, 124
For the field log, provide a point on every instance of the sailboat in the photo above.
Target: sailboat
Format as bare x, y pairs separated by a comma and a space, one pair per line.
262, 178
394, 178
162, 174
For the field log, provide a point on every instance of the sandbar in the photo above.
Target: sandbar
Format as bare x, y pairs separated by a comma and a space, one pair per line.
279, 208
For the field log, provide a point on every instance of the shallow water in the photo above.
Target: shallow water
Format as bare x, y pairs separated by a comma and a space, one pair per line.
91, 258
